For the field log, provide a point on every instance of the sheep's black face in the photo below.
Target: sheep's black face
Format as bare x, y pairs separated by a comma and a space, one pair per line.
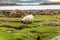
28, 22
21, 21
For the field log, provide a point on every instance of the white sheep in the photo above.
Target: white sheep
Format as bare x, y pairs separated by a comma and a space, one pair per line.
28, 19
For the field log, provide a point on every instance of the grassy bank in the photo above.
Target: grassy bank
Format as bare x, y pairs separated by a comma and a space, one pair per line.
19, 31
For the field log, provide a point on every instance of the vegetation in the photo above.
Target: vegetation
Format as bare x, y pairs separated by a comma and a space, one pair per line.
44, 27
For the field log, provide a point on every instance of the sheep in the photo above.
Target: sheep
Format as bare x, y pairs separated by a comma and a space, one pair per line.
27, 19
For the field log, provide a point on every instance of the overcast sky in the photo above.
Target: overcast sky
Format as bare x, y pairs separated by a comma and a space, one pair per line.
35, 0
25, 1
55, 0
29, 1
42, 0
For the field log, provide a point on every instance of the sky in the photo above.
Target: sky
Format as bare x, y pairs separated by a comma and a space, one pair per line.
30, 1
35, 0
42, 0
25, 1
55, 0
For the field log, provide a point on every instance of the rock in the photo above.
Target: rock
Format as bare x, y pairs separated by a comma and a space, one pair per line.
9, 31
53, 23
56, 38
41, 24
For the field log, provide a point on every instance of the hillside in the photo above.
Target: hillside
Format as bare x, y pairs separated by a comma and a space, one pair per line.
50, 3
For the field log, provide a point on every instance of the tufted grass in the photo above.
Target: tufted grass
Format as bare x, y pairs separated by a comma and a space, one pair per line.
28, 31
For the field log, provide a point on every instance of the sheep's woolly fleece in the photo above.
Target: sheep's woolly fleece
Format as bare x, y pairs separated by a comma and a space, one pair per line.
28, 18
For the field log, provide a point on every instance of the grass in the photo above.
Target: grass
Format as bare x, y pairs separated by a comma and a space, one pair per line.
28, 31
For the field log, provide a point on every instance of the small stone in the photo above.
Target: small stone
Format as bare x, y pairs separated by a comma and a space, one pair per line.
56, 38
9, 31
41, 24
53, 23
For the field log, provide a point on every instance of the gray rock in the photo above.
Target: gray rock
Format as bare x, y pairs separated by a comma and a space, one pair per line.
56, 38
9, 31
41, 24
53, 24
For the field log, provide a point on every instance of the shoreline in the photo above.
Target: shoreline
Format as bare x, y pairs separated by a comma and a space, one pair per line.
40, 7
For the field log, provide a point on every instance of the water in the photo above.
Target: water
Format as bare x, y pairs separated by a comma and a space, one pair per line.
40, 7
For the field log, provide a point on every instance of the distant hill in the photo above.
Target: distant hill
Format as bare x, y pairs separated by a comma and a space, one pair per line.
50, 3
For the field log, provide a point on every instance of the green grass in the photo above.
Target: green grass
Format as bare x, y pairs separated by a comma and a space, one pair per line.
28, 31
